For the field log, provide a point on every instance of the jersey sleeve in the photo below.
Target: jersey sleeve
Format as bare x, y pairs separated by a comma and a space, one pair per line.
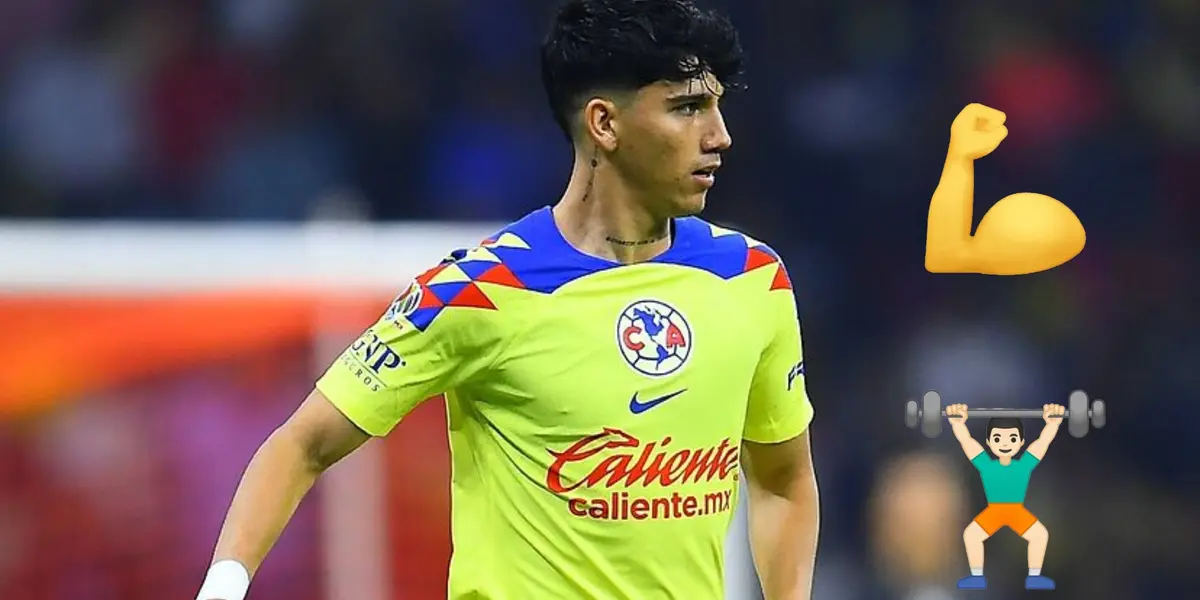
404, 358
778, 408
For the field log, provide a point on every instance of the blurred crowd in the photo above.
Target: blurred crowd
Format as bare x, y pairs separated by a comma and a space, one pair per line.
431, 109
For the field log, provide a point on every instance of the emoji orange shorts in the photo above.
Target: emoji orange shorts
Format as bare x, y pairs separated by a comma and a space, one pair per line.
1015, 516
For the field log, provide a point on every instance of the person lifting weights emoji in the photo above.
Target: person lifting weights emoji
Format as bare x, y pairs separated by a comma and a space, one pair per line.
1005, 471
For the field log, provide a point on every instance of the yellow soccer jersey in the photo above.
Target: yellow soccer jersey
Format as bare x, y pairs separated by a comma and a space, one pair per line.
596, 410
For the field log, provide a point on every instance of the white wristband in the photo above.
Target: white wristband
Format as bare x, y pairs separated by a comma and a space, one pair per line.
226, 580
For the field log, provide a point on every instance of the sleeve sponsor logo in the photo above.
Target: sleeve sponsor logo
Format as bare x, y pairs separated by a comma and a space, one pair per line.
369, 358
795, 373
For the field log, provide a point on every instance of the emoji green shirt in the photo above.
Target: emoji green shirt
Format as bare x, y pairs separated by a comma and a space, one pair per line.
1004, 484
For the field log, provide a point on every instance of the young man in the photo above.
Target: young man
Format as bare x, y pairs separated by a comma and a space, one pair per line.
1005, 474
608, 363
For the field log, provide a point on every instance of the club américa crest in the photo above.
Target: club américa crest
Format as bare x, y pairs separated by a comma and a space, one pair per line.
654, 338
405, 303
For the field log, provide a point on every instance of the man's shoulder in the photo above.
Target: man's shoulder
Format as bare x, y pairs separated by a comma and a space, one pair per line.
487, 281
728, 252
535, 256
703, 234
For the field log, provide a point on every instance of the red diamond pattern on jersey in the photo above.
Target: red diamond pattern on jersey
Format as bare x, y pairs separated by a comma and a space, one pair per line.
781, 281
428, 300
757, 258
500, 274
455, 283
473, 297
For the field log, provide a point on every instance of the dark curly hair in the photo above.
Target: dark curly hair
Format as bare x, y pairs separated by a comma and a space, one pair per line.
624, 45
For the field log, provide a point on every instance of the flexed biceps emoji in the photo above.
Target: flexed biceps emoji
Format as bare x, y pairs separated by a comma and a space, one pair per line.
1023, 233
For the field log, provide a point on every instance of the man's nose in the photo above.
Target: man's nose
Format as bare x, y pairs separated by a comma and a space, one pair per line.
718, 139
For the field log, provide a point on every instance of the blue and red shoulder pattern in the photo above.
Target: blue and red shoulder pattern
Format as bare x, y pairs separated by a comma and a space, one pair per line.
454, 282
723, 252
545, 261
553, 262
531, 254
525, 255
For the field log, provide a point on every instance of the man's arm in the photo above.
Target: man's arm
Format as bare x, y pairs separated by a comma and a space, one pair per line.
957, 414
1052, 414
784, 515
381, 377
783, 502
280, 474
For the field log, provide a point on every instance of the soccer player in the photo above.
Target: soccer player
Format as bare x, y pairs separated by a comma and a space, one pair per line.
611, 365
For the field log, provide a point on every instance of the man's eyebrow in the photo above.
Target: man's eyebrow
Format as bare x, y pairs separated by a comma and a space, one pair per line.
692, 97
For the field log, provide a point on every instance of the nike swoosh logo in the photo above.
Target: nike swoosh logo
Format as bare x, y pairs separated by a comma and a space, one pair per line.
638, 408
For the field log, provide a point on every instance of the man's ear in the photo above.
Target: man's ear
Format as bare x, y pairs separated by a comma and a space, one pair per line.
599, 123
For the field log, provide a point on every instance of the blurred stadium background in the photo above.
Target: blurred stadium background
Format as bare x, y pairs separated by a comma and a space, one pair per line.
202, 201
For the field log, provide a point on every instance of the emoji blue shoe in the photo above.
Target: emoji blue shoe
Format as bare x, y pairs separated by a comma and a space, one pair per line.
973, 582
1039, 582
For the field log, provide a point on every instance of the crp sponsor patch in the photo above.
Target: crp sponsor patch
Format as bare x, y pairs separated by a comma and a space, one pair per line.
369, 358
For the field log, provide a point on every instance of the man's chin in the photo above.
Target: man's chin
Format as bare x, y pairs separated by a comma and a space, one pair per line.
691, 205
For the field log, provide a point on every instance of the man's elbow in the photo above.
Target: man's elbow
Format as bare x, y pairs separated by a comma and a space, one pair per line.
781, 470
797, 483
319, 433
285, 444
313, 451
806, 492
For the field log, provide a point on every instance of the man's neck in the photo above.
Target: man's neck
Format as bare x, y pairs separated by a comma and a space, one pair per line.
600, 215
